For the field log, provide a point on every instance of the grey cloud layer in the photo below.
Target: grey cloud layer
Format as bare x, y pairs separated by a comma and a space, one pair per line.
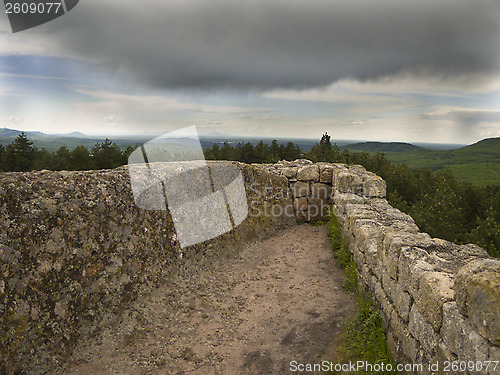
280, 44
469, 117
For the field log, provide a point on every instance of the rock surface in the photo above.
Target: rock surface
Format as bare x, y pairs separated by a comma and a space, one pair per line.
74, 248
478, 296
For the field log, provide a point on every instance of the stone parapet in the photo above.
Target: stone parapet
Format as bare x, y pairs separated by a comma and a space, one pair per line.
440, 301
75, 249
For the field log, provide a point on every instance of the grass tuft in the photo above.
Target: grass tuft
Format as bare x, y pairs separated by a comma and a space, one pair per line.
364, 338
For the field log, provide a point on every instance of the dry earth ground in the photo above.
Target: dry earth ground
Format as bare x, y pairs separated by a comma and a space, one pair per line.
276, 301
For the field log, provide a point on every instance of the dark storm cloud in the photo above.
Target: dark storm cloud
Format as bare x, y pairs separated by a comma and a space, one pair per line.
280, 44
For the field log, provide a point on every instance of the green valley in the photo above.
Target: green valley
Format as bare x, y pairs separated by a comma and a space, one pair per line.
478, 163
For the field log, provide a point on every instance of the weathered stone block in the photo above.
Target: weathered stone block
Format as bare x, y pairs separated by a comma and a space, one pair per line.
342, 200
22, 309
289, 172
301, 162
460, 336
473, 250
382, 300
401, 299
300, 204
494, 355
319, 190
318, 208
436, 288
368, 234
359, 212
374, 186
450, 257
303, 215
358, 169
423, 332
358, 255
409, 345
411, 267
477, 288
337, 168
346, 181
393, 243
403, 303
325, 173
364, 277
300, 189
442, 354
398, 221
308, 173
394, 347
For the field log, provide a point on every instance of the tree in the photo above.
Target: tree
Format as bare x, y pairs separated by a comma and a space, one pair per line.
226, 152
246, 153
212, 153
274, 152
325, 141
487, 234
80, 159
291, 151
19, 154
106, 155
63, 158
324, 150
2, 158
261, 152
44, 159
127, 152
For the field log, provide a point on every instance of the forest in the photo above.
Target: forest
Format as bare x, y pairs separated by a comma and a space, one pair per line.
20, 156
441, 205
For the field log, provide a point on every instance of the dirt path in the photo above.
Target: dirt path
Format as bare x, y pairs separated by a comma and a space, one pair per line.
279, 300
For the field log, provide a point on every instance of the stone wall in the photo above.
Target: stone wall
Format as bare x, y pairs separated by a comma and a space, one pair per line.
75, 250
440, 301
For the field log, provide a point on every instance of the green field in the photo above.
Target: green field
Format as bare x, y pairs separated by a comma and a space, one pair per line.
478, 163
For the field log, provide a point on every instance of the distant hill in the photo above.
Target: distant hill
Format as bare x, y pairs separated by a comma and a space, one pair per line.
5, 132
52, 142
485, 146
478, 163
13, 133
383, 147
74, 135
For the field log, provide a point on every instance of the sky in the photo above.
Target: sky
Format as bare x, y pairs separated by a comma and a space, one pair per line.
385, 70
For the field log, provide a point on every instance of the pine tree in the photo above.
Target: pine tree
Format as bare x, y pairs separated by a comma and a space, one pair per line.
323, 151
274, 152
63, 158
80, 159
2, 158
291, 151
106, 155
19, 154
